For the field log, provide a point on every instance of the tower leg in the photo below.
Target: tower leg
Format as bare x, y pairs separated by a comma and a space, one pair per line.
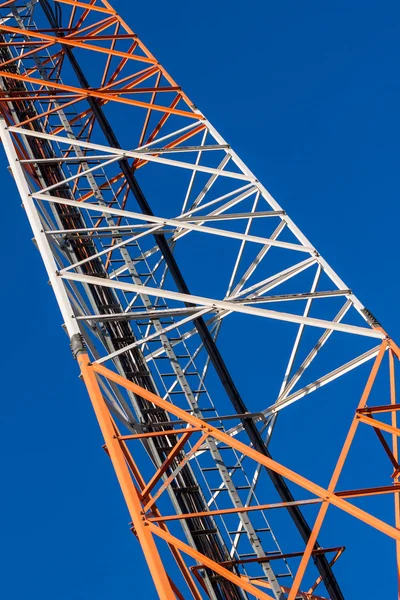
128, 488
395, 450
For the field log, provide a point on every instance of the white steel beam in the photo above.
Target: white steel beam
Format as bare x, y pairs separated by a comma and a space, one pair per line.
41, 239
317, 384
223, 305
130, 154
174, 222
143, 341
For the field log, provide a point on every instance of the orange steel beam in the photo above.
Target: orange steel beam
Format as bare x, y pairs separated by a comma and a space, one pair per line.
373, 491
143, 529
144, 48
149, 111
378, 424
166, 464
83, 16
388, 451
99, 404
159, 125
331, 563
103, 37
378, 409
277, 556
91, 7
388, 489
123, 62
300, 596
336, 474
184, 460
79, 116
148, 72
104, 96
327, 495
210, 564
236, 510
309, 595
65, 41
138, 499
395, 451
50, 111
139, 77
132, 499
175, 553
94, 28
93, 33
147, 90
108, 61
39, 48
164, 432
36, 95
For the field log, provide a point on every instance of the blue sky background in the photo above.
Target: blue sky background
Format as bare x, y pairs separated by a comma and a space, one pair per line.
308, 94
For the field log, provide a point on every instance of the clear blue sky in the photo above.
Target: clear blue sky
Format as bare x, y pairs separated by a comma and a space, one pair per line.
309, 95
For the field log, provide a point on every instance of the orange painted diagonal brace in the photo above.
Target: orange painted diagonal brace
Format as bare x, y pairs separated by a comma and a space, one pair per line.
248, 587
301, 595
336, 474
326, 495
91, 7
372, 410
166, 464
163, 433
147, 52
96, 94
94, 28
185, 459
64, 41
319, 579
378, 424
51, 111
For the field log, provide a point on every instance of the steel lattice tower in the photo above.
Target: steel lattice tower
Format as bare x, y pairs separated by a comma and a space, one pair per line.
163, 250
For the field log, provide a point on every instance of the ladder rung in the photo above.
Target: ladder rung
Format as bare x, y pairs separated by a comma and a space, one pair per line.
224, 489
137, 373
187, 490
179, 356
217, 469
174, 374
240, 531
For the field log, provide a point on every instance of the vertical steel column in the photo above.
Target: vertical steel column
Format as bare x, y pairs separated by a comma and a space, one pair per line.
40, 237
129, 491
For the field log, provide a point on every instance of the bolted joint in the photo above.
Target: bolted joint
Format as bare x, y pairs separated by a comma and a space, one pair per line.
370, 318
77, 344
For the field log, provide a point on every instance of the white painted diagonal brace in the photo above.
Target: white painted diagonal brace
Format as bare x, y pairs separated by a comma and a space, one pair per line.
223, 305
